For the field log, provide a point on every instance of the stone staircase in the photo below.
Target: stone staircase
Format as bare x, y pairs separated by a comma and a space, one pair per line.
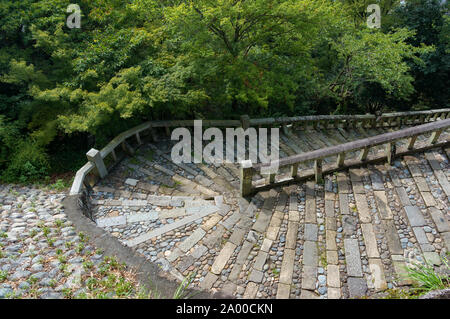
350, 237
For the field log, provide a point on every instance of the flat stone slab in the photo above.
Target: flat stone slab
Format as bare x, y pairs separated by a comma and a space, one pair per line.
291, 235
329, 208
283, 291
237, 236
446, 239
208, 281
267, 243
250, 291
439, 219
402, 196
377, 270
287, 266
334, 293
428, 199
343, 204
363, 208
136, 218
310, 256
262, 221
194, 238
432, 258
310, 211
392, 237
370, 241
382, 203
420, 235
333, 276
306, 294
169, 227
256, 276
111, 221
349, 224
134, 203
172, 213
415, 217
343, 186
223, 257
131, 181
421, 184
377, 182
353, 258
357, 287
199, 252
309, 277
311, 232
260, 260
331, 240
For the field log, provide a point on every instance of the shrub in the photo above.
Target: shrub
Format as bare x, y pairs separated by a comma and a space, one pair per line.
28, 163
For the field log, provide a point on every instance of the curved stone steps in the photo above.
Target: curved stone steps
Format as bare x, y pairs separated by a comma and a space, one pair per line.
347, 238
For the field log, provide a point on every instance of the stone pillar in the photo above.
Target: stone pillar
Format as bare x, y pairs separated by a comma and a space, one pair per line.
411, 142
318, 171
340, 159
363, 154
390, 152
246, 178
294, 170
95, 158
435, 136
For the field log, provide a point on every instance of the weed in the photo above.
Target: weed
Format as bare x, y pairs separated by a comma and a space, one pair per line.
3, 276
181, 292
425, 277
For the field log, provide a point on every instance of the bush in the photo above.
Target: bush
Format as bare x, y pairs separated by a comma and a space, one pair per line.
29, 163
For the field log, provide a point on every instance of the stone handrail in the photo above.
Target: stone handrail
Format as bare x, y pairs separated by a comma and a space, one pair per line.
368, 120
364, 145
97, 167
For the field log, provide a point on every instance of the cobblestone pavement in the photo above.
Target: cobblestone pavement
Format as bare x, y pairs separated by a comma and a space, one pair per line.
41, 255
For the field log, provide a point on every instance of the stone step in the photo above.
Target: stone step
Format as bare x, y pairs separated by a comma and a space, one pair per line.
438, 172
164, 180
169, 227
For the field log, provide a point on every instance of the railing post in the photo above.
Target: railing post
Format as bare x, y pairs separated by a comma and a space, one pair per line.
318, 171
390, 152
167, 128
294, 170
245, 122
363, 155
246, 186
340, 159
153, 134
127, 148
138, 138
435, 136
95, 158
412, 141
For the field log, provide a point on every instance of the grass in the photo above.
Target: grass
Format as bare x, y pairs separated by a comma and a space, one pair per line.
181, 292
3, 275
60, 185
426, 279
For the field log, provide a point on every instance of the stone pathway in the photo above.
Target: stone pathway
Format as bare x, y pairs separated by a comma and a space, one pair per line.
348, 238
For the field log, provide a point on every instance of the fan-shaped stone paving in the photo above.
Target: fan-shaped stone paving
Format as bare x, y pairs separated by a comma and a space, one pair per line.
346, 238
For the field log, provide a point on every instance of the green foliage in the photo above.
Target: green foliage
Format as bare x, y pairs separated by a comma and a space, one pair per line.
65, 90
426, 278
29, 163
